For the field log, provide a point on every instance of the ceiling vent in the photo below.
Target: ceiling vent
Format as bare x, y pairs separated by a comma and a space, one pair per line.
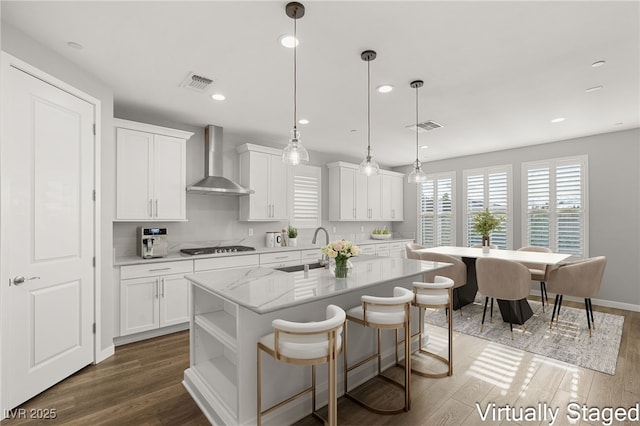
196, 82
425, 126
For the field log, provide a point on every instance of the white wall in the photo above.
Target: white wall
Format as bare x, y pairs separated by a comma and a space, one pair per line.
614, 201
21, 46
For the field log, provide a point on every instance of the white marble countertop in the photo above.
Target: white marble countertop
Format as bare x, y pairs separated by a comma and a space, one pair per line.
175, 256
264, 290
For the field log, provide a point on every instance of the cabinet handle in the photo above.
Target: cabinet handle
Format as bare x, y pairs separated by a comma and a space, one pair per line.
354, 213
157, 288
162, 287
160, 269
156, 207
150, 207
281, 257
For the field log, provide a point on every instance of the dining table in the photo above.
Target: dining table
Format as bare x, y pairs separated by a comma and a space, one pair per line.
467, 293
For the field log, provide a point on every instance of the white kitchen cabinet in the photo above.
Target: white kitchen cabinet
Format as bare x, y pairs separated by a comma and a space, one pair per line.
262, 169
153, 296
150, 172
392, 196
354, 196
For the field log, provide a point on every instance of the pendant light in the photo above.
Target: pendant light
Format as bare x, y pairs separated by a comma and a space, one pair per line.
417, 175
294, 153
369, 166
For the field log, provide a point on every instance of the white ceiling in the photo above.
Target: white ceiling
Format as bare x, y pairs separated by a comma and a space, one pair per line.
495, 73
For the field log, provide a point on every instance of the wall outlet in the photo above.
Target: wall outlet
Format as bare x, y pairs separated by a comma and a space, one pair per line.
334, 229
251, 232
362, 229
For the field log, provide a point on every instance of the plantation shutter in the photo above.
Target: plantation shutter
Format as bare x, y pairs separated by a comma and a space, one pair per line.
305, 206
556, 204
488, 188
437, 214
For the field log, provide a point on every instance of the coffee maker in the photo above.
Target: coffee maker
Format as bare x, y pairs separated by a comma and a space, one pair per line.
152, 242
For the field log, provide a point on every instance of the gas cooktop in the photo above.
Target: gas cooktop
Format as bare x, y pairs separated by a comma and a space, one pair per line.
216, 250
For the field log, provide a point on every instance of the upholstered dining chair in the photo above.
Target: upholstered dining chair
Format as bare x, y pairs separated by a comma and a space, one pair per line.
579, 279
458, 272
502, 279
538, 271
411, 247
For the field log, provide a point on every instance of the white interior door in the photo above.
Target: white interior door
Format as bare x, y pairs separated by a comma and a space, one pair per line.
47, 244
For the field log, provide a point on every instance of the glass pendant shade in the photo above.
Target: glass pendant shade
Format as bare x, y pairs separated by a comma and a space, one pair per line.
417, 175
294, 153
369, 166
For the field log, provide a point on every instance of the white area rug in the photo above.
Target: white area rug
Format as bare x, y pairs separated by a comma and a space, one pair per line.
568, 341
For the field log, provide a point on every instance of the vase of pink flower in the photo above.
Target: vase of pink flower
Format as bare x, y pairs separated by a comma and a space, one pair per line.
340, 251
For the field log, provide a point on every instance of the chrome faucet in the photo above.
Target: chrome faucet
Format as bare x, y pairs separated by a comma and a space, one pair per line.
325, 259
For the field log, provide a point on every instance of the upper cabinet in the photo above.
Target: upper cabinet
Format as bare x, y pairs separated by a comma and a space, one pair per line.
150, 172
262, 169
392, 195
357, 197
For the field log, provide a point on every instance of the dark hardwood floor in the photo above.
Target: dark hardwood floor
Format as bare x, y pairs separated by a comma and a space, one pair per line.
141, 385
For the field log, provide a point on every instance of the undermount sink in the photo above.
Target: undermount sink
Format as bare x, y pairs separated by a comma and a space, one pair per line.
296, 268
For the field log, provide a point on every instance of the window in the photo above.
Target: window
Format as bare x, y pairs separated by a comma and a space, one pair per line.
305, 196
488, 188
436, 197
554, 205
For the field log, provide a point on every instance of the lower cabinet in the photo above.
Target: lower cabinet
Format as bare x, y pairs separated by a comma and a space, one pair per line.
153, 296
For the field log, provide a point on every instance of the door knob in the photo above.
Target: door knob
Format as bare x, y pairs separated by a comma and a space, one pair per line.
20, 279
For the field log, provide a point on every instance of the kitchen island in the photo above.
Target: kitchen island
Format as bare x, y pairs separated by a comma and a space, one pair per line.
232, 309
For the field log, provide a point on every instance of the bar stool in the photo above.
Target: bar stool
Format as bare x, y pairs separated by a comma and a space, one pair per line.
382, 313
437, 294
309, 343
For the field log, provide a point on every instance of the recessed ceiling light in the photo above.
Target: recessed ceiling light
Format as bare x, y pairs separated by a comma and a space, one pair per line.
288, 41
384, 88
74, 45
218, 97
353, 131
424, 147
598, 64
593, 89
558, 120
303, 121
619, 123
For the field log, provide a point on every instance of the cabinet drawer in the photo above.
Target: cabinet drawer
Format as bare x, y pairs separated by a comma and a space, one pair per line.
287, 256
368, 249
226, 262
396, 246
156, 269
310, 255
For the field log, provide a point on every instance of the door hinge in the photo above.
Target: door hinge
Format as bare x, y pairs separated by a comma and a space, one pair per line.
94, 328
94, 195
94, 129
93, 261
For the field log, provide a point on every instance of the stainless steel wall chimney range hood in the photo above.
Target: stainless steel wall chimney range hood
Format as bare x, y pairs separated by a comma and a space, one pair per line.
214, 183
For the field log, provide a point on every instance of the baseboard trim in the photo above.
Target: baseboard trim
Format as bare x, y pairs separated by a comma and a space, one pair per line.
123, 340
105, 353
597, 302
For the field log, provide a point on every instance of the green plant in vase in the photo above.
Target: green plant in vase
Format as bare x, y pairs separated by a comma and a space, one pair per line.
292, 233
485, 222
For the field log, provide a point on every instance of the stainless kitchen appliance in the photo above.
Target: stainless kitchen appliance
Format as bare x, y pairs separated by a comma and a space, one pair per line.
152, 242
216, 250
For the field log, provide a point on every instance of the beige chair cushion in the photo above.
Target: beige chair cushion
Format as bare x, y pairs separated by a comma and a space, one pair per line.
502, 279
411, 247
579, 279
458, 272
538, 271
